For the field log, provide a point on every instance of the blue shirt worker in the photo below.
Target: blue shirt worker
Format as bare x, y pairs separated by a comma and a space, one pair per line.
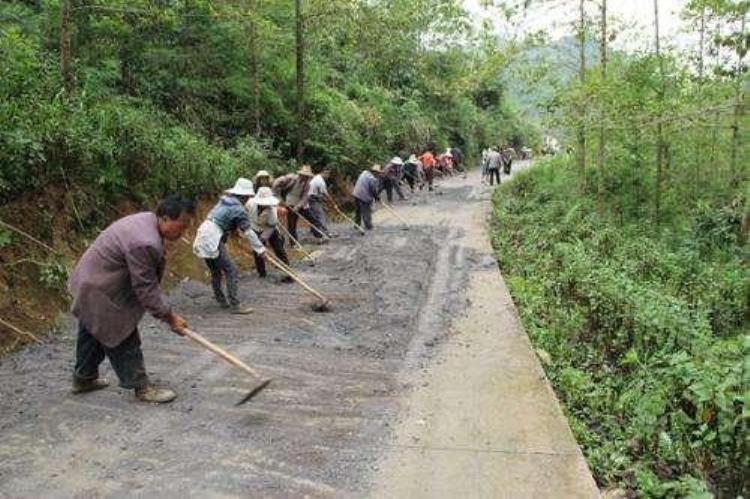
229, 215
366, 190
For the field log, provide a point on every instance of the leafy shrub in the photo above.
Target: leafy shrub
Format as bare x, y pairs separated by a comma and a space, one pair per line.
644, 329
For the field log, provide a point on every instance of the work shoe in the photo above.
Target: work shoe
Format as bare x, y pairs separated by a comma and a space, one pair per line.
155, 395
89, 385
241, 309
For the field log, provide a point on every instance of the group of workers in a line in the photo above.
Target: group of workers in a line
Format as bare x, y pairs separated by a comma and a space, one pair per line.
118, 278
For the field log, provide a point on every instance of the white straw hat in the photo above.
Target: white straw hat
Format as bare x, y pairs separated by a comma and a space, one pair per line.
397, 161
243, 187
265, 197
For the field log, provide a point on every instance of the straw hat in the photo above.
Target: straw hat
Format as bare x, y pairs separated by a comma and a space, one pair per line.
243, 187
261, 173
412, 159
306, 171
265, 197
397, 161
376, 169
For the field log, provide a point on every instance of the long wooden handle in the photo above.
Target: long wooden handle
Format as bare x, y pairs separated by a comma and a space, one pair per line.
395, 214
308, 222
291, 274
336, 207
294, 240
221, 353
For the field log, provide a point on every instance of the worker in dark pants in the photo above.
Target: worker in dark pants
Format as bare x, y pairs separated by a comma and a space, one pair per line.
316, 200
293, 190
366, 190
412, 172
494, 163
264, 221
390, 179
113, 284
226, 217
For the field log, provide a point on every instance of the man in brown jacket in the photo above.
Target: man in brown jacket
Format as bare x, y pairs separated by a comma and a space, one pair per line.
293, 190
114, 283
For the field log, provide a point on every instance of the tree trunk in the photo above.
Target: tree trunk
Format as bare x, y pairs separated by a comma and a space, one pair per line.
601, 156
300, 81
659, 126
130, 53
701, 45
700, 142
735, 174
66, 66
254, 72
581, 134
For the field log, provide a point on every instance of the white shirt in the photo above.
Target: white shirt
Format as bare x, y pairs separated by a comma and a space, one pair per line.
207, 239
318, 186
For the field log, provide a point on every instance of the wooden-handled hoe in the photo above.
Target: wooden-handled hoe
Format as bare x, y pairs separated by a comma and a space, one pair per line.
325, 303
261, 381
308, 257
345, 216
395, 214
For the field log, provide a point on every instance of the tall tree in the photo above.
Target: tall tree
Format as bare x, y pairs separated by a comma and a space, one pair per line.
601, 156
253, 63
300, 80
581, 132
735, 178
701, 44
65, 56
659, 124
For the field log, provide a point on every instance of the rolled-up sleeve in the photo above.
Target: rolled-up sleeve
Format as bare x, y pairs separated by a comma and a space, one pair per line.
143, 265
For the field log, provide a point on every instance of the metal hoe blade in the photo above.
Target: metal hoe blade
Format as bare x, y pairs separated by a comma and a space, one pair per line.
253, 392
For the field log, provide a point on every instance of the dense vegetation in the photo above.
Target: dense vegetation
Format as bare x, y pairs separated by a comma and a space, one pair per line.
107, 104
185, 95
628, 263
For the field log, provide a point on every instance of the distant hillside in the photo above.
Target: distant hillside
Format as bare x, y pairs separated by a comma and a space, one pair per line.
538, 72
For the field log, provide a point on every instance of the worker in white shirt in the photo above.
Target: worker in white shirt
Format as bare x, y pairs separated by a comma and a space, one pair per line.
317, 196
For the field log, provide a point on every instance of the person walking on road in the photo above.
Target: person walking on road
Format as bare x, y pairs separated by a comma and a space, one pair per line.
293, 190
115, 282
264, 221
366, 190
226, 217
391, 179
316, 200
507, 156
494, 162
483, 166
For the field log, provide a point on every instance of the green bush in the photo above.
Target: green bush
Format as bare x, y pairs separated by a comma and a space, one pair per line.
644, 329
